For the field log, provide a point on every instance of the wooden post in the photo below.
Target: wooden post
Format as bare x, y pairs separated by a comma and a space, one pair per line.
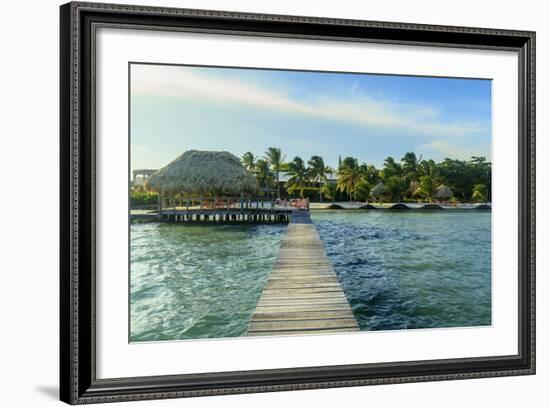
159, 202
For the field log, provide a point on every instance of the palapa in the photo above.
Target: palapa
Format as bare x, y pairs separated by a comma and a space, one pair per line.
210, 173
378, 190
443, 192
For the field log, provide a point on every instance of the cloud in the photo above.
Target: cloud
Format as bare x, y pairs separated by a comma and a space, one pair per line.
448, 150
358, 108
184, 83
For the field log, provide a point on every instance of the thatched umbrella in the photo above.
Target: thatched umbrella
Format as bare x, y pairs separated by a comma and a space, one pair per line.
378, 190
443, 192
213, 173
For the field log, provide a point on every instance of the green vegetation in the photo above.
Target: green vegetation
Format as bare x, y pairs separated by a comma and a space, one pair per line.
139, 199
249, 161
330, 191
411, 179
480, 193
299, 174
349, 175
318, 171
263, 173
275, 159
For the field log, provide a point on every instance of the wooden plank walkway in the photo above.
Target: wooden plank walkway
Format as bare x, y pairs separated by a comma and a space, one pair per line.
302, 294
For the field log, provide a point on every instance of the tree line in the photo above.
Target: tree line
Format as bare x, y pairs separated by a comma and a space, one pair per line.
410, 179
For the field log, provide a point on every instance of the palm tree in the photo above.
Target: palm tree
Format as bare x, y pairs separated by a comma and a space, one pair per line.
370, 173
479, 193
363, 189
330, 190
348, 177
348, 162
427, 167
396, 187
275, 159
299, 175
409, 163
317, 171
391, 168
249, 161
264, 176
413, 186
427, 188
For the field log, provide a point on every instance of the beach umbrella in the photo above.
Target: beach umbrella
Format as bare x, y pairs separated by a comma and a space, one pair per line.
214, 173
443, 192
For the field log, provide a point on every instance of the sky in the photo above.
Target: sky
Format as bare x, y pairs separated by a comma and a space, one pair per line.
177, 108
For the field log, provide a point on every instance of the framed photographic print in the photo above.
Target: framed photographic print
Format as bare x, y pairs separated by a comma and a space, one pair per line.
255, 203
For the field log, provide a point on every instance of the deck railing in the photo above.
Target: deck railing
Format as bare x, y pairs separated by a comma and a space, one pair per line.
172, 203
201, 203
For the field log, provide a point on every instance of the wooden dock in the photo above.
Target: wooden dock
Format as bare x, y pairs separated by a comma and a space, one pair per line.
302, 294
220, 215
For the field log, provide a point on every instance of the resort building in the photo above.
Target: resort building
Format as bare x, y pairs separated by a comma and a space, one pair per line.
139, 177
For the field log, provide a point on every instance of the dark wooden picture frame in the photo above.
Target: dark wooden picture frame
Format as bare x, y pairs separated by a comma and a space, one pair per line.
78, 382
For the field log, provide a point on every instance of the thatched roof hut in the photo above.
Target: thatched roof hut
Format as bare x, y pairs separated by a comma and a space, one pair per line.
443, 192
211, 173
377, 190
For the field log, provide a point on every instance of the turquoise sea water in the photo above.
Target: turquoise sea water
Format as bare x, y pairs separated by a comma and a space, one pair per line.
398, 270
413, 269
197, 281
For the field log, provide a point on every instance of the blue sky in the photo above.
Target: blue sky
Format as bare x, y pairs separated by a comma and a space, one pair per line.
370, 117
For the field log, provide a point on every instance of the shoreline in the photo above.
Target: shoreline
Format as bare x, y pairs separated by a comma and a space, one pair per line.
395, 206
329, 206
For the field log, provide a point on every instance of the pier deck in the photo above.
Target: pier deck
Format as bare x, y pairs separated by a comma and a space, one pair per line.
217, 215
302, 294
